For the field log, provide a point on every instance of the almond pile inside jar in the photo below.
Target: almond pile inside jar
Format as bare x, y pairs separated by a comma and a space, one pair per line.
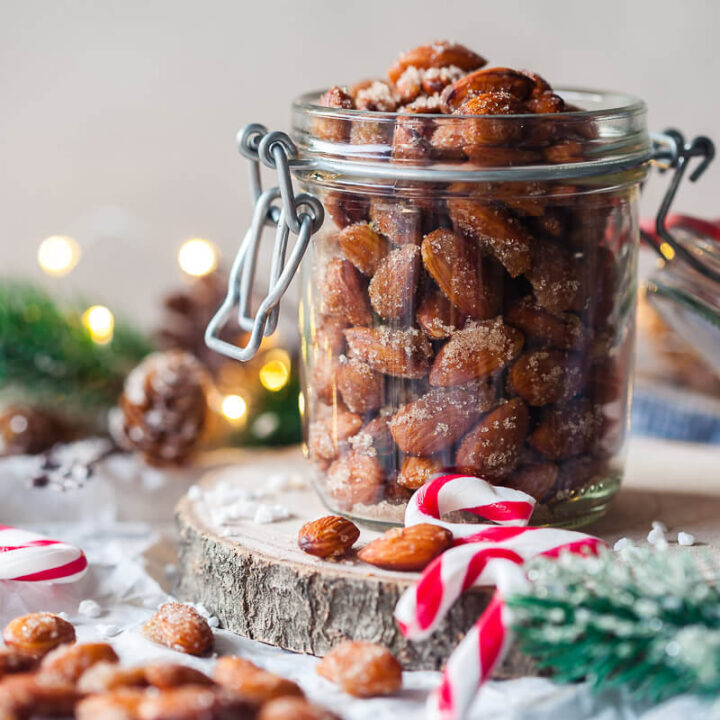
479, 326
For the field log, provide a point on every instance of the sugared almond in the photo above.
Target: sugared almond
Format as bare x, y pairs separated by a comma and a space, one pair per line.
437, 317
475, 352
38, 633
355, 478
328, 536
362, 669
363, 247
416, 471
344, 293
361, 387
542, 377
180, 627
409, 548
392, 288
401, 353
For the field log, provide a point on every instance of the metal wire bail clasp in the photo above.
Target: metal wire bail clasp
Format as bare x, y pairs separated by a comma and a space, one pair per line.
302, 215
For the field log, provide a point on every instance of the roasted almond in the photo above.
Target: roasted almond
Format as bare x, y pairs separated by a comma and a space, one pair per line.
330, 128
103, 677
362, 669
363, 247
416, 471
437, 317
374, 438
401, 353
26, 695
120, 704
447, 140
344, 293
566, 430
564, 331
361, 387
247, 680
438, 54
392, 288
376, 96
439, 418
536, 479
498, 156
475, 352
346, 208
180, 627
355, 478
38, 633
412, 138
555, 277
486, 80
399, 221
492, 448
409, 548
495, 229
328, 536
546, 103
70, 662
542, 377
293, 708
191, 702
466, 280
327, 437
14, 661
324, 377
487, 131
169, 675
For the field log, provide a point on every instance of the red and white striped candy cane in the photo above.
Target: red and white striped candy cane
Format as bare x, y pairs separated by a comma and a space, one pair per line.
30, 557
481, 555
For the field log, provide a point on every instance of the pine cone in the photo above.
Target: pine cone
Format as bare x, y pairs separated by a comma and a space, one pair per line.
28, 431
186, 315
162, 410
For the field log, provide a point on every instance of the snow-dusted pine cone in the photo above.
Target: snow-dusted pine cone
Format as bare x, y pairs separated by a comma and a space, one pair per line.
162, 410
27, 430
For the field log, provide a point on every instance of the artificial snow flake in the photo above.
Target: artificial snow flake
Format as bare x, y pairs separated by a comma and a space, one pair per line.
89, 608
685, 538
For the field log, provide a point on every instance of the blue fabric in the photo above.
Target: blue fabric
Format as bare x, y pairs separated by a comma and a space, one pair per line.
661, 417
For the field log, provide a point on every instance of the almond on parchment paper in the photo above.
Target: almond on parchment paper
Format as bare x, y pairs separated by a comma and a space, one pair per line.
362, 388
251, 682
475, 352
542, 377
495, 229
363, 247
119, 704
167, 675
344, 293
294, 708
439, 418
38, 633
493, 446
392, 288
362, 669
355, 478
328, 536
71, 661
190, 702
25, 695
465, 279
180, 627
409, 548
437, 317
401, 353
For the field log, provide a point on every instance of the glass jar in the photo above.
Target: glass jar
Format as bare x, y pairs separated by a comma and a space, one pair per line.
468, 303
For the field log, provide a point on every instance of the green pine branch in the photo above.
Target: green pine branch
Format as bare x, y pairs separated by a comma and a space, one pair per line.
47, 356
644, 619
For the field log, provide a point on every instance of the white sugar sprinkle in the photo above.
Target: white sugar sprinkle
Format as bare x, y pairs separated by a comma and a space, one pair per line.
657, 525
622, 544
656, 537
684, 538
270, 513
89, 608
108, 630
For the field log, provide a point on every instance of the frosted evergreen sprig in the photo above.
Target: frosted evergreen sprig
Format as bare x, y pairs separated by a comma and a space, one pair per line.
645, 619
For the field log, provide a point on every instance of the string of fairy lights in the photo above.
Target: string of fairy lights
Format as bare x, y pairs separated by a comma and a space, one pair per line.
59, 255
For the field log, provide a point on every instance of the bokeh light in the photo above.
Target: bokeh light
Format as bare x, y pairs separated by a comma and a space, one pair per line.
233, 407
58, 255
275, 372
197, 257
100, 323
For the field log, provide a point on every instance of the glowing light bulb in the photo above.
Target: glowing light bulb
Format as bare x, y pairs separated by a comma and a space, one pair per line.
58, 255
233, 407
100, 323
275, 373
197, 257
301, 404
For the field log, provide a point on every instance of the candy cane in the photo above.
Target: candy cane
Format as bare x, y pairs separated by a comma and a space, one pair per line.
30, 557
481, 555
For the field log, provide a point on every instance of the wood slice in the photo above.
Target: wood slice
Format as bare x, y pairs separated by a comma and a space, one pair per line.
262, 586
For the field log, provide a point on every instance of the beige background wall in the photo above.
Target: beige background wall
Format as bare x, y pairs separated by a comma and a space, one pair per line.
117, 118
